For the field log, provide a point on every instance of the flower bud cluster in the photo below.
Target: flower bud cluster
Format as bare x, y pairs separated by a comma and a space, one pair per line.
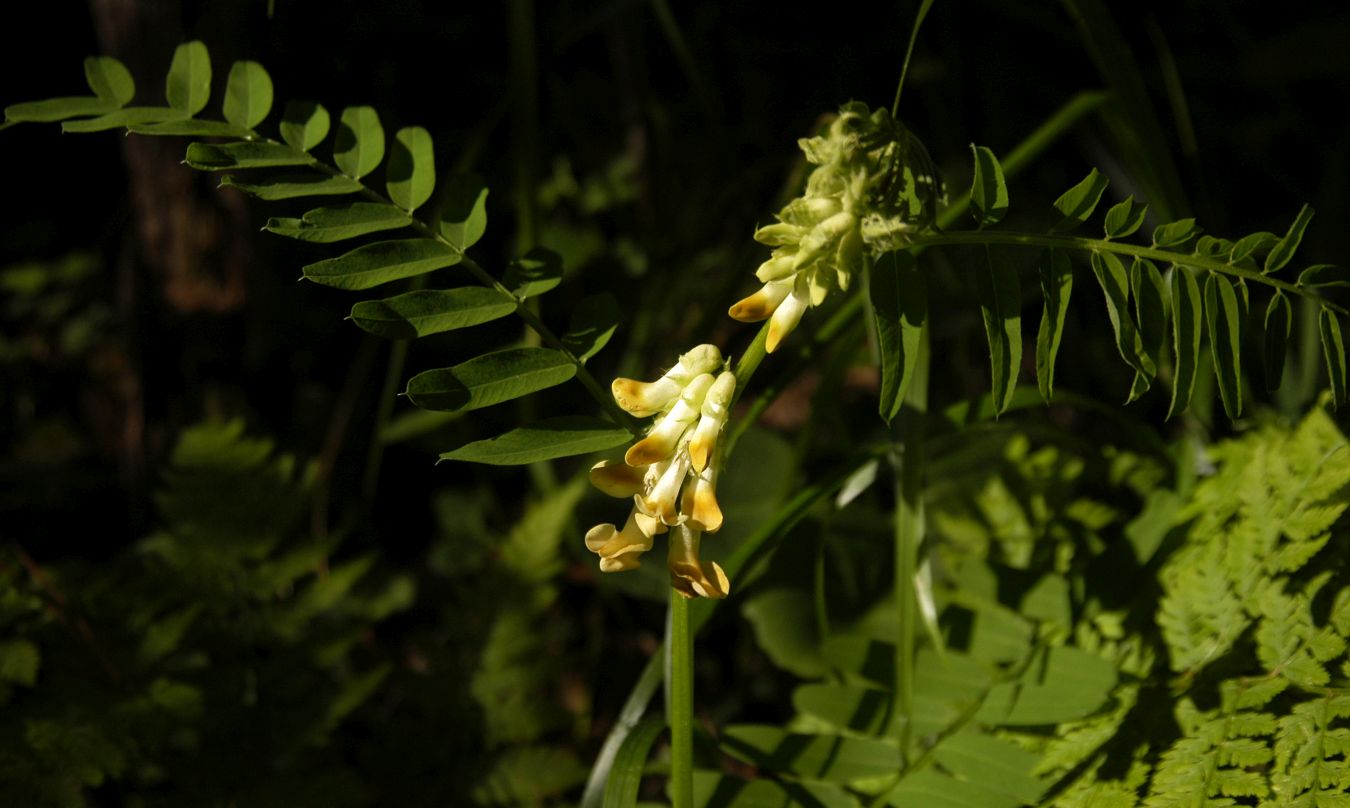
671, 473
863, 197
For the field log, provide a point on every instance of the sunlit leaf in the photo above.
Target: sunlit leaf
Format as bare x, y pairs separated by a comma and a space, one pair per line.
325, 225
124, 117
412, 168
246, 154
932, 789
1078, 203
1124, 218
248, 95
1175, 234
999, 765
1282, 252
464, 217
1279, 316
718, 790
1223, 322
110, 80
1062, 684
191, 127
1186, 319
359, 145
188, 86
58, 109
431, 311
292, 186
899, 297
988, 191
304, 124
382, 262
490, 379
543, 440
834, 759
999, 290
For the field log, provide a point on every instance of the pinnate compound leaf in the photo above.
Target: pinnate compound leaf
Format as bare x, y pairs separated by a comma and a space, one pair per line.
900, 307
1186, 318
412, 168
431, 311
326, 225
1279, 316
593, 323
382, 262
242, 155
464, 218
534, 273
359, 146
1223, 323
1150, 306
1078, 203
304, 124
248, 95
1056, 288
548, 439
1175, 234
490, 379
110, 80
1283, 251
1324, 275
999, 291
1124, 218
988, 191
625, 773
1333, 348
188, 86
293, 186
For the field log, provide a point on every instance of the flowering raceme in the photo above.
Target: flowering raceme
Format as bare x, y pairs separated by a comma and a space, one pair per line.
671, 473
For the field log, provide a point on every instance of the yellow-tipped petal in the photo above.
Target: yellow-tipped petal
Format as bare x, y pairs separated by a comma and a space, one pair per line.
662, 500
621, 563
690, 576
699, 503
605, 541
617, 479
599, 536
785, 319
665, 436
644, 398
761, 304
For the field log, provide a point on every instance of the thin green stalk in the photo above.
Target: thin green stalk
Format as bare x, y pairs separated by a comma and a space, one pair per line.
909, 51
680, 700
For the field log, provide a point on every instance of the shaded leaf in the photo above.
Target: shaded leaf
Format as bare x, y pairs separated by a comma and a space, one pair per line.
717, 790
19, 662
1065, 684
899, 297
625, 774
544, 440
191, 127
1279, 315
833, 759
490, 379
246, 154
999, 291
593, 323
412, 168
382, 262
359, 145
188, 86
110, 80
1175, 234
988, 191
1333, 348
248, 95
1114, 281
534, 273
1251, 244
292, 186
930, 788
431, 311
1056, 288
1124, 218
304, 124
1324, 275
847, 707
1150, 306
464, 218
326, 225
1223, 321
782, 619
1186, 314
1282, 252
1078, 202
995, 763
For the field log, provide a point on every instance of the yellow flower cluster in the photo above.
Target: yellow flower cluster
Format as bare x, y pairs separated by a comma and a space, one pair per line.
671, 473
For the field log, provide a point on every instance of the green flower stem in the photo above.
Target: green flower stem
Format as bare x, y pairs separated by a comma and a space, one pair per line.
680, 700
1016, 239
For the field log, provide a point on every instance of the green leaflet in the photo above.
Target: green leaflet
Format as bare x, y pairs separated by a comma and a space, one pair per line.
124, 117
1064, 685
191, 127
304, 124
1114, 281
1279, 315
188, 86
998, 287
293, 186
828, 758
899, 298
534, 273
1324, 275
593, 323
1333, 348
1150, 306
1250, 245
1186, 313
1124, 218
933, 789
242, 155
464, 217
110, 80
543, 440
988, 190
1078, 202
490, 379
248, 95
995, 763
1282, 252
1056, 287
1175, 234
718, 790
382, 262
412, 168
431, 311
359, 145
326, 225
57, 109
621, 790
1224, 325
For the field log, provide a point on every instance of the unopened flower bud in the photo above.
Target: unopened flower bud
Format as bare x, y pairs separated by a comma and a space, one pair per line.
648, 398
787, 315
776, 268
714, 416
779, 234
665, 436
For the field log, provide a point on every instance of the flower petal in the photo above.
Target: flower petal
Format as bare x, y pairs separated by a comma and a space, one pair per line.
787, 316
644, 398
617, 479
761, 304
688, 575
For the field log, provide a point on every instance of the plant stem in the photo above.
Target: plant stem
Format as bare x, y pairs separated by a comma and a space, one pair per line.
393, 374
680, 700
